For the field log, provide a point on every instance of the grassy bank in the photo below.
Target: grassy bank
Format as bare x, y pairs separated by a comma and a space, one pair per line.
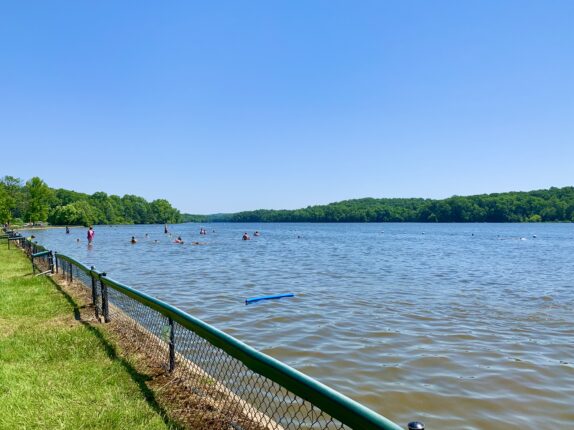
56, 371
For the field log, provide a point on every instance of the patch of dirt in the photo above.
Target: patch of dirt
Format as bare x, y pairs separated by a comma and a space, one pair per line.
188, 395
7, 328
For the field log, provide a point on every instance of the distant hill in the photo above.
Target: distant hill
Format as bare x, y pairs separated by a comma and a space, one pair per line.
194, 218
551, 205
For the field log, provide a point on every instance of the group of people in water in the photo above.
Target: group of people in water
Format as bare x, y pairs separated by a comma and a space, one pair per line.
246, 236
91, 233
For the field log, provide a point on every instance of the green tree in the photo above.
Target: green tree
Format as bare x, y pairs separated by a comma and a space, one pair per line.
535, 218
77, 213
136, 209
162, 212
38, 198
5, 205
14, 200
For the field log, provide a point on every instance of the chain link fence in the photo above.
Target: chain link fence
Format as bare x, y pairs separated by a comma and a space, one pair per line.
42, 259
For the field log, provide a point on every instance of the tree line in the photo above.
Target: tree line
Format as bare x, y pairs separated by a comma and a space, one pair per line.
34, 201
552, 205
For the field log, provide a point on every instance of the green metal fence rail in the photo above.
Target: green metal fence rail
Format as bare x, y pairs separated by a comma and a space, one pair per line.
230, 385
42, 259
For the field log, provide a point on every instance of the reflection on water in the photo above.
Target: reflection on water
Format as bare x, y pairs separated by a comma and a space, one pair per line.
464, 326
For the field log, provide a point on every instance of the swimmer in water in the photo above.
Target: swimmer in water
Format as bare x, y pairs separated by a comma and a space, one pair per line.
256, 233
134, 240
178, 240
91, 234
246, 236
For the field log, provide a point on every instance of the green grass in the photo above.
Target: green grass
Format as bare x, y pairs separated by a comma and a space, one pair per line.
56, 372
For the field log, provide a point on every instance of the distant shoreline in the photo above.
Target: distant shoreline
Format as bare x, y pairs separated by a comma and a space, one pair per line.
550, 205
50, 227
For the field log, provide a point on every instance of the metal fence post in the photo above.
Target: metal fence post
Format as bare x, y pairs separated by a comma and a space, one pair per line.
51, 261
105, 305
95, 292
56, 261
71, 275
171, 345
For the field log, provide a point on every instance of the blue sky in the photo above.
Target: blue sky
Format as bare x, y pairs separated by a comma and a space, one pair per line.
227, 105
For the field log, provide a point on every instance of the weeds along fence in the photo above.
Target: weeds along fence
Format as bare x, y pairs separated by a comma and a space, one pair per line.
222, 382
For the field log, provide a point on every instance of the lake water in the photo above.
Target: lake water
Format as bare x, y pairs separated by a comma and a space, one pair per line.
462, 326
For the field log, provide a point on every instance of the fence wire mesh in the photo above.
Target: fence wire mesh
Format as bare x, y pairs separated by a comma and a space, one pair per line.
222, 392
242, 397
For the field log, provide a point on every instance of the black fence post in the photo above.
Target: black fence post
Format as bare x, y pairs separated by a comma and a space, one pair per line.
105, 304
171, 345
56, 260
95, 292
51, 261
71, 275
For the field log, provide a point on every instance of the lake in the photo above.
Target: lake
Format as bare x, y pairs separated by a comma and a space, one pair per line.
466, 326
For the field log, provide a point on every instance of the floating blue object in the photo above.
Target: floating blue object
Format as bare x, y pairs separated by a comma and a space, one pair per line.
276, 296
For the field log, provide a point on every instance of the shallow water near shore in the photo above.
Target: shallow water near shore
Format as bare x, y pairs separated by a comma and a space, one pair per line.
467, 326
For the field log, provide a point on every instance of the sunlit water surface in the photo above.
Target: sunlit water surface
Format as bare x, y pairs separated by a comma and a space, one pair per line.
461, 326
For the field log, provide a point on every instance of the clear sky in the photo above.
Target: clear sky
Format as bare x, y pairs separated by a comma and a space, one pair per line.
221, 106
